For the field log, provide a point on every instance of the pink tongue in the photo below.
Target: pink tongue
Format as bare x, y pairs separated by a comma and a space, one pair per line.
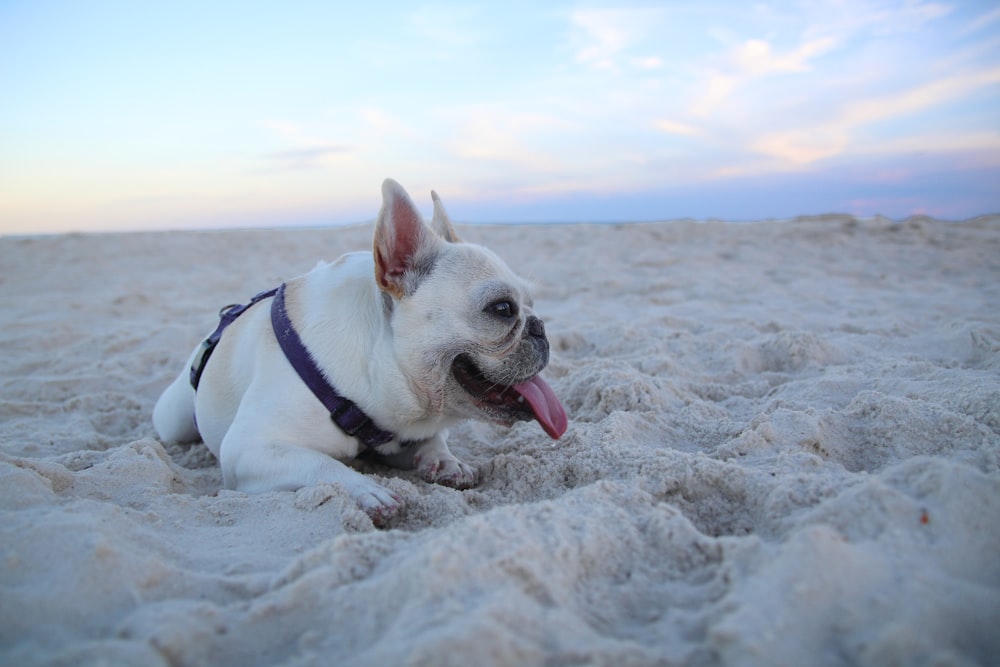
548, 410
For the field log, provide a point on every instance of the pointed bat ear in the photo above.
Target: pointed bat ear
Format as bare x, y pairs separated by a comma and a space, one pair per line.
404, 247
441, 224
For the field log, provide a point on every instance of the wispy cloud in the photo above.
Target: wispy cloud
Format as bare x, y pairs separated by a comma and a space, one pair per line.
849, 18
809, 144
756, 57
499, 134
646, 62
606, 36
445, 29
751, 60
984, 145
305, 158
674, 127
659, 96
936, 92
308, 149
982, 21
294, 132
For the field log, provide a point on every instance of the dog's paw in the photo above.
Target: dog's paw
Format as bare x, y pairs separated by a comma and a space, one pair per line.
378, 502
448, 472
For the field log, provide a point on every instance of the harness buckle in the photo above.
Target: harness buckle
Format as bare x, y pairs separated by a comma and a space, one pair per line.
349, 418
226, 309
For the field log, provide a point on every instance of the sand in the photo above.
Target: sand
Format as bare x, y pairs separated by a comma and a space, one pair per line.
784, 449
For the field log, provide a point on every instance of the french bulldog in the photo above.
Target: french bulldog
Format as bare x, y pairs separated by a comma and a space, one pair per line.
420, 333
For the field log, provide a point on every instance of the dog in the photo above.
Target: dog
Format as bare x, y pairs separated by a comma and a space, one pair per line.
409, 339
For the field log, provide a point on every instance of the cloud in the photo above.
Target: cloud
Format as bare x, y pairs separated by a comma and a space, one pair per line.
674, 127
308, 151
496, 134
756, 57
852, 18
934, 93
445, 28
751, 60
646, 62
285, 128
305, 158
606, 35
823, 29
293, 132
805, 145
801, 147
982, 21
986, 143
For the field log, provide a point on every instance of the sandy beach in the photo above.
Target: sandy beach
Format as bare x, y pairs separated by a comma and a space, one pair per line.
783, 449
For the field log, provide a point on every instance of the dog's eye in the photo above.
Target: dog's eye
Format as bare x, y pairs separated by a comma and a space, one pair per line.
503, 308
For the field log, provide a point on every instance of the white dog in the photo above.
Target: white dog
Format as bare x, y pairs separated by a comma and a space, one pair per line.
379, 351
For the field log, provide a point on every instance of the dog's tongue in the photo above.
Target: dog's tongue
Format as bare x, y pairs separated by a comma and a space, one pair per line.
548, 410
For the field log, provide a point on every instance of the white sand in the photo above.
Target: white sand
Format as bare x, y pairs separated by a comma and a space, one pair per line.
784, 449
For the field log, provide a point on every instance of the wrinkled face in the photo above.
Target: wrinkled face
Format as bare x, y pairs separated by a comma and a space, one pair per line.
468, 338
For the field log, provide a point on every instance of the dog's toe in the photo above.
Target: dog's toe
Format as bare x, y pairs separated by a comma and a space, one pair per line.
454, 474
382, 515
379, 503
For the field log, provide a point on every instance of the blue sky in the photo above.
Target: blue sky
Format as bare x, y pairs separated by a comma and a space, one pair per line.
147, 115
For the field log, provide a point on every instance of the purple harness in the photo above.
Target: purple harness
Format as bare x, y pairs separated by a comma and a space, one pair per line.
343, 411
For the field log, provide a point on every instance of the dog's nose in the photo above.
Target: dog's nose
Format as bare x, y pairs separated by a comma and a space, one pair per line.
535, 327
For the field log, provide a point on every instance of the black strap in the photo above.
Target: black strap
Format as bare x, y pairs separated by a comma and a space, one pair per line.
227, 316
343, 411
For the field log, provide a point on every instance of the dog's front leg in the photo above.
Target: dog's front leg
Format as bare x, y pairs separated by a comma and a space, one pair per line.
436, 464
257, 467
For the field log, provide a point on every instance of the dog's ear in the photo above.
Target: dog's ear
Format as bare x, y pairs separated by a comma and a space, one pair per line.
404, 246
441, 224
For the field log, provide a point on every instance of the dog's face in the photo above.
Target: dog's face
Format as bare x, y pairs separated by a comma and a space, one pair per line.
462, 322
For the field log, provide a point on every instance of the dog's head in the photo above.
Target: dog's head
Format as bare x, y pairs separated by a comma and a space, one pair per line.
462, 322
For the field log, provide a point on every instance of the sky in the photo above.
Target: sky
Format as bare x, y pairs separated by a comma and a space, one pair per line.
124, 115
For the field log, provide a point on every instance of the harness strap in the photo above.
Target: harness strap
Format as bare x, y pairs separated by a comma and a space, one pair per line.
227, 316
343, 411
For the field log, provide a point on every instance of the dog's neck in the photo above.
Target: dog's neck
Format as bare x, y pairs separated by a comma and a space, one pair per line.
342, 350
344, 412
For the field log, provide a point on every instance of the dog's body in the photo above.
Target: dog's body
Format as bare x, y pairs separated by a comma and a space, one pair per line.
421, 333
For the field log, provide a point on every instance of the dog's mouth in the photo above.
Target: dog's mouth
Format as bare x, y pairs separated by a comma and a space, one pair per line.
531, 399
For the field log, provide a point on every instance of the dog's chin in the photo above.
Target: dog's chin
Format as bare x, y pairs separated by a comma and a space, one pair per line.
496, 402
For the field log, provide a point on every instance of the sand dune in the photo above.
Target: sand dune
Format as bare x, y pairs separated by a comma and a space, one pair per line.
784, 449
